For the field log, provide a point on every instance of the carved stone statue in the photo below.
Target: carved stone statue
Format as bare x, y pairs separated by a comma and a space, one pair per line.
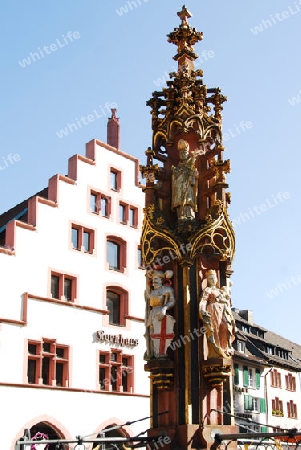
184, 183
159, 298
215, 312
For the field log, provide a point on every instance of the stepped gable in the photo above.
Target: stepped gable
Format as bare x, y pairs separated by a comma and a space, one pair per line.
25, 213
17, 210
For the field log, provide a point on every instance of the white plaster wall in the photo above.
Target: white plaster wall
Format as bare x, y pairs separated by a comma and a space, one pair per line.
77, 329
12, 347
49, 248
11, 275
74, 413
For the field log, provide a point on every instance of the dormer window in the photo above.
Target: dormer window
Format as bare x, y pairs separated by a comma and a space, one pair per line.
270, 350
282, 353
241, 346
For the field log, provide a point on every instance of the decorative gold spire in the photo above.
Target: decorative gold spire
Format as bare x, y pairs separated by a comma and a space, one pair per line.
184, 14
186, 110
185, 37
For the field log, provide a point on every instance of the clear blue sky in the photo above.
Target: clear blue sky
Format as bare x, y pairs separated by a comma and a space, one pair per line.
116, 58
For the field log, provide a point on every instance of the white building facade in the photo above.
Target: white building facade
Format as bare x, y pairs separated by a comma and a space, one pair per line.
71, 303
267, 369
250, 396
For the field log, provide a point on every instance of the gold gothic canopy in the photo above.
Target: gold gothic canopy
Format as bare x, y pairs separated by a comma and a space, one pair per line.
186, 198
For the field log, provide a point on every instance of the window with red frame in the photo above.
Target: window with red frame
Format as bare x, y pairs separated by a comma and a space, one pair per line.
116, 371
94, 202
48, 363
275, 378
105, 206
291, 410
117, 305
139, 258
133, 217
82, 239
115, 180
100, 204
277, 407
116, 253
113, 255
63, 287
123, 213
290, 382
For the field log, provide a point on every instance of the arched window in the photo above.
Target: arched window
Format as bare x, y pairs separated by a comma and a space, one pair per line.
111, 434
51, 433
116, 253
117, 305
113, 305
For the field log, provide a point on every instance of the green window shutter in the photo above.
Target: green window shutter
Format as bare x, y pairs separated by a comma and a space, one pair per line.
257, 379
246, 377
248, 402
264, 429
236, 374
263, 408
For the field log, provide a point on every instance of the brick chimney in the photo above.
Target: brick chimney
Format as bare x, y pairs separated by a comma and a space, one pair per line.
113, 134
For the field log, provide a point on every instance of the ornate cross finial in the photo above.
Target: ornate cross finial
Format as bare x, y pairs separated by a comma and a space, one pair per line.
184, 14
184, 37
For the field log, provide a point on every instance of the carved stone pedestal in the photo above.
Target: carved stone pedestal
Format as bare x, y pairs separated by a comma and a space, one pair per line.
162, 390
217, 370
217, 409
161, 373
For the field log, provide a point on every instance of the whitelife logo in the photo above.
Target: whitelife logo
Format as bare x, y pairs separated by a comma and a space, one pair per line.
9, 160
284, 287
270, 203
85, 120
124, 9
33, 57
295, 100
243, 126
265, 24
